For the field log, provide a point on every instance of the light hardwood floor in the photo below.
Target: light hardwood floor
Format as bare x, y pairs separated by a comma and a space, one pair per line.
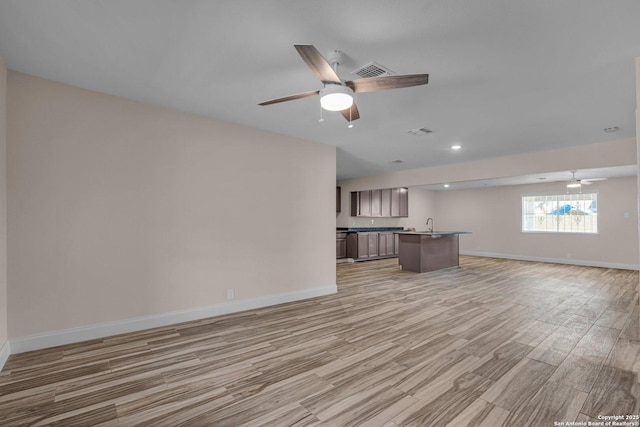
494, 342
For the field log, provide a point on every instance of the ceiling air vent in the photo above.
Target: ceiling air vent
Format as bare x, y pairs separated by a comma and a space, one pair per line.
372, 69
419, 132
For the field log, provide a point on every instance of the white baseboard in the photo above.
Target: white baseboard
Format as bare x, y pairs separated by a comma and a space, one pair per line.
69, 336
585, 263
5, 352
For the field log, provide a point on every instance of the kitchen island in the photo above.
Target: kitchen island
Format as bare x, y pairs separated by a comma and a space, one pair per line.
423, 251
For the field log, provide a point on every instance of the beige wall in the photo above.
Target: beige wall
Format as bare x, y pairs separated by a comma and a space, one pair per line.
119, 209
638, 143
494, 216
3, 206
638, 135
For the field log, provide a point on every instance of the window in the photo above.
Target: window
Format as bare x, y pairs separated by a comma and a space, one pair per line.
560, 213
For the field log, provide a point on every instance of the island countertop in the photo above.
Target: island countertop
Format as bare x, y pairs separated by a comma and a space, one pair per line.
433, 233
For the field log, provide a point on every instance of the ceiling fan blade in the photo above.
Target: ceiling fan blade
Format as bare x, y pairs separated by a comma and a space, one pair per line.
352, 113
373, 84
590, 180
320, 67
291, 97
583, 182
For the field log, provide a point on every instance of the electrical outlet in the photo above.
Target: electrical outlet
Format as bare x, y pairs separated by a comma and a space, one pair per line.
371, 222
231, 293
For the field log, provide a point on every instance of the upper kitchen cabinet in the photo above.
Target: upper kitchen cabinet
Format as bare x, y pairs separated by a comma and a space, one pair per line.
361, 203
376, 202
385, 203
400, 202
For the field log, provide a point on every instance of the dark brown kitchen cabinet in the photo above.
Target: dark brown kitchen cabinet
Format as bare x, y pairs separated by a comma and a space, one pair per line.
382, 244
352, 245
404, 202
371, 245
355, 203
376, 202
395, 202
386, 203
365, 203
362, 245
385, 244
361, 203
341, 245
399, 202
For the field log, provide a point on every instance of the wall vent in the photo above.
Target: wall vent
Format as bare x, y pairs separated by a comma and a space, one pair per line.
373, 69
419, 132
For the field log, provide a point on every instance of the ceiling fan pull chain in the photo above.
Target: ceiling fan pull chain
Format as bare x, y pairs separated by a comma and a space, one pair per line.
321, 119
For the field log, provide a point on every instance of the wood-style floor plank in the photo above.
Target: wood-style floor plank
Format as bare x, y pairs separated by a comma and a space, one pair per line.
615, 392
490, 343
519, 384
580, 369
554, 402
448, 405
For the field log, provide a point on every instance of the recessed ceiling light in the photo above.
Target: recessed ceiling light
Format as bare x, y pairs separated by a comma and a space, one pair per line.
456, 147
542, 178
446, 186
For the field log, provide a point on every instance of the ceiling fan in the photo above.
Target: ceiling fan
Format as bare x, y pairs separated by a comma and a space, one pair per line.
577, 183
337, 95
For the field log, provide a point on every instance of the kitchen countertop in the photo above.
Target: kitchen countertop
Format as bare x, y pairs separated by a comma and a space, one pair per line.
433, 233
367, 229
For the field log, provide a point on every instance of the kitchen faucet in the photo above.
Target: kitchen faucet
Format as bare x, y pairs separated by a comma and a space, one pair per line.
430, 229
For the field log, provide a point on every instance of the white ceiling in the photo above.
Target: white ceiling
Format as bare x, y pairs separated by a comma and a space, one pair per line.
506, 76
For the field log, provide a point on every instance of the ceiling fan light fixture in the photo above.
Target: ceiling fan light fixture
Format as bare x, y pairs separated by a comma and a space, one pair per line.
574, 183
336, 97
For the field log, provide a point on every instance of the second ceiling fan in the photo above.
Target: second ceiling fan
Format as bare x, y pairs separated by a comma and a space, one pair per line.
337, 95
577, 183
